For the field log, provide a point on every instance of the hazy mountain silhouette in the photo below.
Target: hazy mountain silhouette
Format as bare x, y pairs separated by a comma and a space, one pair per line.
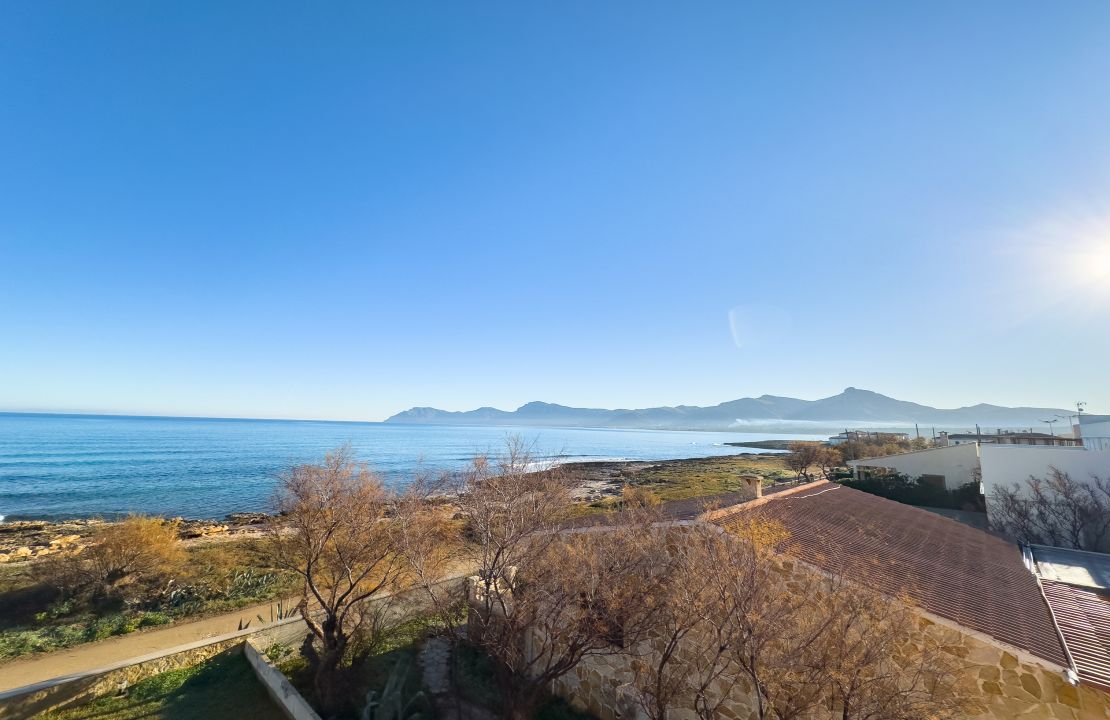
851, 407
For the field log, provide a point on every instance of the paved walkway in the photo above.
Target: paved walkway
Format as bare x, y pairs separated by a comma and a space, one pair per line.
90, 656
433, 661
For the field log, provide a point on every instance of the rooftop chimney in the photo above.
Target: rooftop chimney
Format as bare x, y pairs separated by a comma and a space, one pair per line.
753, 484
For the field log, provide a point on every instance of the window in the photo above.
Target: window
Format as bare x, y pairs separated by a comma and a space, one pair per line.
936, 481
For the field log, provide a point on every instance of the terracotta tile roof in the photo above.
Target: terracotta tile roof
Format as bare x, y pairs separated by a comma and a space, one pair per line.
1083, 615
949, 569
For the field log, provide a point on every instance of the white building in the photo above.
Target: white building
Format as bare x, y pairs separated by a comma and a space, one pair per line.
1094, 431
868, 436
997, 464
1007, 437
948, 467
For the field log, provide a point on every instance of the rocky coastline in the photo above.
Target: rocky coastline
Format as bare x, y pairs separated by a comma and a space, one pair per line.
23, 540
26, 540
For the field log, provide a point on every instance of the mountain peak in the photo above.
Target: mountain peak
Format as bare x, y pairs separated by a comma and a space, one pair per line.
775, 413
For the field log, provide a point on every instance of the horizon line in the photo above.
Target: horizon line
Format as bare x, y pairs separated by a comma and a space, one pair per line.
181, 417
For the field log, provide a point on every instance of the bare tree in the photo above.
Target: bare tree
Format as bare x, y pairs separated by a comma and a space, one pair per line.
1056, 510
866, 657
685, 652
335, 534
430, 543
827, 458
546, 597
836, 645
803, 456
723, 609
512, 512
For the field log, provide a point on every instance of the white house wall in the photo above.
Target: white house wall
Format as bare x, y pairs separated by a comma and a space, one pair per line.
1004, 465
957, 463
1096, 435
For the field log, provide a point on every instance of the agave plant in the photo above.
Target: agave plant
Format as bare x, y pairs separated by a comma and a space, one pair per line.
248, 583
283, 612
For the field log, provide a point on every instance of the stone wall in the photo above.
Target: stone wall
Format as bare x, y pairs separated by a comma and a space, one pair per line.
1006, 682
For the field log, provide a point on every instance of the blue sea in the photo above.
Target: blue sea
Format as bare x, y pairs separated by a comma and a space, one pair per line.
72, 466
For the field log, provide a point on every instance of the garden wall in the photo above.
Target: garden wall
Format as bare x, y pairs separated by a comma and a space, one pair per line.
26, 701
277, 686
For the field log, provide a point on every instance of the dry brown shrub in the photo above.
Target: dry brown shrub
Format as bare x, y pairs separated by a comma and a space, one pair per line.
638, 496
136, 549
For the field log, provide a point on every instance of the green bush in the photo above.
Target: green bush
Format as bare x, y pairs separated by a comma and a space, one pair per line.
912, 491
969, 496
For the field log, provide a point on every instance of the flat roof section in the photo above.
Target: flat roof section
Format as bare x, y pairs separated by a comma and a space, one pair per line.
1077, 567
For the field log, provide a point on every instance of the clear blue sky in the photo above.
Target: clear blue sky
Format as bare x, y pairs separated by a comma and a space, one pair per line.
340, 210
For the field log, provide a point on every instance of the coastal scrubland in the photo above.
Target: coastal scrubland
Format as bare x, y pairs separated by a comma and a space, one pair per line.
574, 596
44, 612
223, 565
603, 484
419, 601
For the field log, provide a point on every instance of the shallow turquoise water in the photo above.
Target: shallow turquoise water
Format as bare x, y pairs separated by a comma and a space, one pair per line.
55, 466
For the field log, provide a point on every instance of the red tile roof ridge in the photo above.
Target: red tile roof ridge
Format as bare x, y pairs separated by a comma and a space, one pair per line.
729, 510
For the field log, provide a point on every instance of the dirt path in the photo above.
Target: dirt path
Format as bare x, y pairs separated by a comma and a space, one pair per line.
90, 656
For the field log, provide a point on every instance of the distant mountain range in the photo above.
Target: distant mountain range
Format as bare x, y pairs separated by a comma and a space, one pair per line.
851, 408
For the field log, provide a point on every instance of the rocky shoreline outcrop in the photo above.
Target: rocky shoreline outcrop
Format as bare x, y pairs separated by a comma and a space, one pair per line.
25, 540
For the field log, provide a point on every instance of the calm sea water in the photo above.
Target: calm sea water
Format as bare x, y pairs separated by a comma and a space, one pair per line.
65, 466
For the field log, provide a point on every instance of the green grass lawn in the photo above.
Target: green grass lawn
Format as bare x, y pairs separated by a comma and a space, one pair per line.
224, 688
